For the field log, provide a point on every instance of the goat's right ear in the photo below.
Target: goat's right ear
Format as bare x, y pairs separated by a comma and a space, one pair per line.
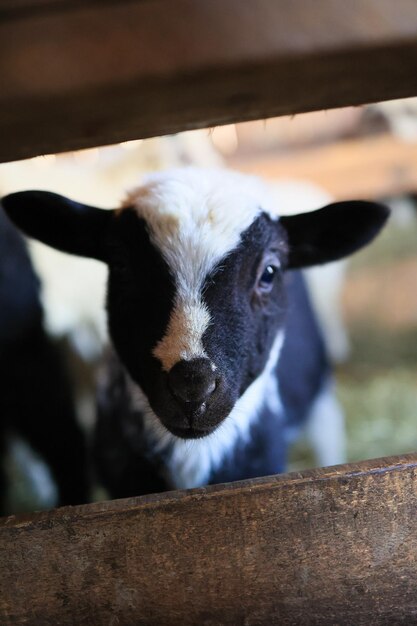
59, 222
333, 232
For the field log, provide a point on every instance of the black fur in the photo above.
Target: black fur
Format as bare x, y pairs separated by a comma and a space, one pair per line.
35, 394
303, 365
126, 463
59, 222
245, 322
302, 372
327, 235
139, 301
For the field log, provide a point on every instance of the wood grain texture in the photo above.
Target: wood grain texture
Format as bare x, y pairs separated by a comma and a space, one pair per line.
75, 75
331, 546
373, 167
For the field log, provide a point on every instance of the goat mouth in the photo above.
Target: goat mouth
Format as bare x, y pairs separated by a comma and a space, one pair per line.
191, 433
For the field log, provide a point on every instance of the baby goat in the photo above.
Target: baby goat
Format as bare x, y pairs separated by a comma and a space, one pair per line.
218, 349
36, 402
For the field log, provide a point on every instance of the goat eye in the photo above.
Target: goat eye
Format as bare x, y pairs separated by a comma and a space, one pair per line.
267, 278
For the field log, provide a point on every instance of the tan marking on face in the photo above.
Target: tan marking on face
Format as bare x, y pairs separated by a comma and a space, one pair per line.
182, 340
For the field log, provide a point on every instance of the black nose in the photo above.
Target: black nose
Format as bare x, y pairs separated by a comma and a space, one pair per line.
192, 381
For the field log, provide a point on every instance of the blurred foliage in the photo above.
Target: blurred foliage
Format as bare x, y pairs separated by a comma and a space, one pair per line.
381, 413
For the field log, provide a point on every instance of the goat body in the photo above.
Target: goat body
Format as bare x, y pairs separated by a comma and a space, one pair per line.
203, 298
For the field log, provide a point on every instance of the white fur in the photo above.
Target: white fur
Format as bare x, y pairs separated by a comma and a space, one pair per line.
195, 218
73, 295
291, 197
33, 475
190, 463
325, 283
326, 428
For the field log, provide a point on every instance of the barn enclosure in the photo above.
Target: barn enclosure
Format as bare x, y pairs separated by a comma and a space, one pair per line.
335, 545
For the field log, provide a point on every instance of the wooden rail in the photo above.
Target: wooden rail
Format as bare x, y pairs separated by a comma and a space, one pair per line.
369, 167
330, 546
79, 74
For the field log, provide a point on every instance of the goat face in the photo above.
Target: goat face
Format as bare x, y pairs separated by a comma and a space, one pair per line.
194, 330
196, 294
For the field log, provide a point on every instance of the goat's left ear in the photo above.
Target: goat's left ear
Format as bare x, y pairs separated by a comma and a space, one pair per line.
333, 232
60, 222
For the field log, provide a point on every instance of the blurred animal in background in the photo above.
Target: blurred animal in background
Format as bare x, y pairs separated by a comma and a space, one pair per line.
36, 400
398, 116
219, 355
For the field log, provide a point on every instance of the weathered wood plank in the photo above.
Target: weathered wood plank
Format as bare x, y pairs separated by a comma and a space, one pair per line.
373, 167
76, 74
332, 546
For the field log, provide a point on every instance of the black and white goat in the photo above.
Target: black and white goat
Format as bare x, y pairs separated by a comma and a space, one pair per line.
219, 353
36, 402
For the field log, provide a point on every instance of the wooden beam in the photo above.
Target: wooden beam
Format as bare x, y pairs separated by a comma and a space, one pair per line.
78, 74
372, 167
330, 546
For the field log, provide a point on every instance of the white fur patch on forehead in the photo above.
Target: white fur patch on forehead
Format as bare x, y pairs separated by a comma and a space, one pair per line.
195, 218
202, 209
